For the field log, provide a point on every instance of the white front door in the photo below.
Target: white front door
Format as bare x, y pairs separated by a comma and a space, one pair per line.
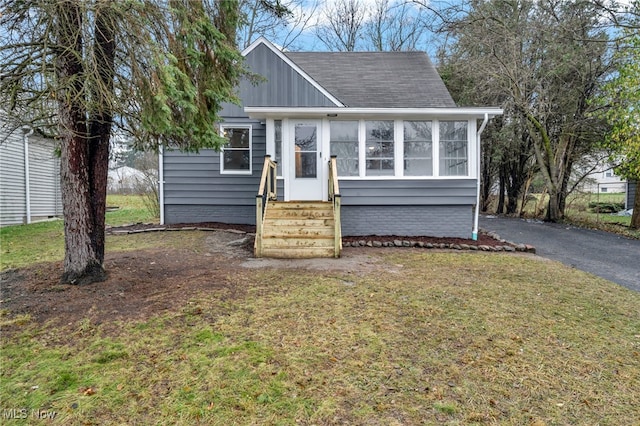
307, 168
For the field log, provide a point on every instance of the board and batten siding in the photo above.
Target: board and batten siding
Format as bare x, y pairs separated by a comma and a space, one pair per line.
196, 191
408, 207
281, 85
44, 179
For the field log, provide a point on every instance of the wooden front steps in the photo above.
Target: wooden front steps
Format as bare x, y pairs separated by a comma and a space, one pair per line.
298, 229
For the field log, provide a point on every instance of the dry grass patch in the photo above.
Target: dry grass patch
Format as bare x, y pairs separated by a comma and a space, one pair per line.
427, 338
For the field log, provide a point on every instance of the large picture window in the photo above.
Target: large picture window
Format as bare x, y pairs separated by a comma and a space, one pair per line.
418, 148
235, 156
454, 154
379, 148
344, 144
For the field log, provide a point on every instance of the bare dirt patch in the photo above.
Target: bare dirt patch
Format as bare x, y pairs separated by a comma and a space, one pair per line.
147, 282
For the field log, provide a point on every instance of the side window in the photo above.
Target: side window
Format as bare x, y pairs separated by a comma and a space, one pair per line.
235, 156
453, 148
380, 147
418, 148
344, 144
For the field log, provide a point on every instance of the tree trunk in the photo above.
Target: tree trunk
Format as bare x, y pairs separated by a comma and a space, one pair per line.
84, 148
501, 190
554, 212
100, 122
80, 263
635, 218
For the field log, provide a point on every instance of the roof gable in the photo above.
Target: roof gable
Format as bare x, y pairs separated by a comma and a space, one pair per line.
285, 84
377, 79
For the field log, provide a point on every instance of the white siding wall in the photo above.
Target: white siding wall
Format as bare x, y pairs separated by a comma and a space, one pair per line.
44, 175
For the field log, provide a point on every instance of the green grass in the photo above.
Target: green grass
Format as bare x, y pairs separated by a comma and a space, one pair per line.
22, 245
428, 338
131, 210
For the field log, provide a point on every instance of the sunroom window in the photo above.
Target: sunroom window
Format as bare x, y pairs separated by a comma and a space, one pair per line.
236, 153
344, 144
418, 148
379, 148
454, 154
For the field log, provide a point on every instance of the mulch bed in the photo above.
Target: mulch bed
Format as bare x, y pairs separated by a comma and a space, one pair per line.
354, 241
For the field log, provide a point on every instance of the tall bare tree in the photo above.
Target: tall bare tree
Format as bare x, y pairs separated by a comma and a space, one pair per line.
341, 25
78, 67
396, 26
282, 22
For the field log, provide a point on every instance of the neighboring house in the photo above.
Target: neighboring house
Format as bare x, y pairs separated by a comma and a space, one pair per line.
127, 180
407, 157
29, 177
603, 180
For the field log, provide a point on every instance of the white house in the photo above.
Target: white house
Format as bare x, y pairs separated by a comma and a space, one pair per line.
29, 177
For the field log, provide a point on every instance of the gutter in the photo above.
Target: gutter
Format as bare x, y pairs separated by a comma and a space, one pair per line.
26, 132
161, 183
474, 233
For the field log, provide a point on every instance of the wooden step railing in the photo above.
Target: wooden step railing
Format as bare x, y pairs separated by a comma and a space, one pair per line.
334, 195
267, 191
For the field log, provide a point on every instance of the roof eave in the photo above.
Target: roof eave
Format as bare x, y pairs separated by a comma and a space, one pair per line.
349, 112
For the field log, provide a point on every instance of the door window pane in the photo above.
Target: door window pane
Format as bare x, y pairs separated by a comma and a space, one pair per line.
453, 148
344, 144
380, 148
278, 142
306, 144
418, 148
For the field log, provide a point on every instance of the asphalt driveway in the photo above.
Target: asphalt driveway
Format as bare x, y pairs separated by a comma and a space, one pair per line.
604, 254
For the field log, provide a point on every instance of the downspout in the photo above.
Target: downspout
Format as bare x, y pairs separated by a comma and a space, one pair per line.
161, 183
26, 132
474, 234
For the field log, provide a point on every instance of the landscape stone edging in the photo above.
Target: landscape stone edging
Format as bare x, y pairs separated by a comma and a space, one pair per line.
508, 245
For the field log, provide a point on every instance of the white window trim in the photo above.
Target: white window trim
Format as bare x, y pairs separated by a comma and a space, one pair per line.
237, 172
472, 169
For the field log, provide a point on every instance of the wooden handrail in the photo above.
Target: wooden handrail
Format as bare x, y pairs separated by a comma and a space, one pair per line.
334, 195
268, 190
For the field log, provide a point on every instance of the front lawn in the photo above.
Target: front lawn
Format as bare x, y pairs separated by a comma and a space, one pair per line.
407, 337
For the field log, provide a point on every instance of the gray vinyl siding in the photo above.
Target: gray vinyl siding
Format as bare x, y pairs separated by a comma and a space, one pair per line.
436, 208
44, 179
631, 193
281, 85
403, 192
196, 191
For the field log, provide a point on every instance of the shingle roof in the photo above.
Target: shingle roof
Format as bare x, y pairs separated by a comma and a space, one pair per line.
377, 79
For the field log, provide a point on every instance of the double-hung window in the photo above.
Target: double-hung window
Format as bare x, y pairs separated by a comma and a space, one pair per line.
454, 150
344, 144
235, 157
379, 147
418, 148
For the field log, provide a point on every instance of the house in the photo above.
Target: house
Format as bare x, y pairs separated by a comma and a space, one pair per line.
29, 176
603, 180
127, 180
406, 157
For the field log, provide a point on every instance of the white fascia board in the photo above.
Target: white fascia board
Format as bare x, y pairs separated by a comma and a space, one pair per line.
293, 65
346, 112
